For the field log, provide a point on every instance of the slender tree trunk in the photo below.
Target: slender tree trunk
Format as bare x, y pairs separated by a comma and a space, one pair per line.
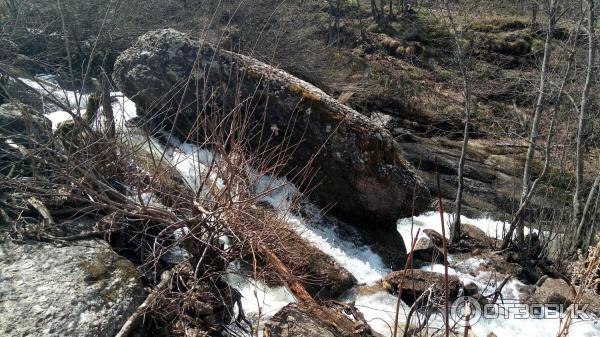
534, 14
584, 228
533, 134
455, 228
517, 219
109, 119
581, 126
539, 107
374, 10
462, 61
593, 229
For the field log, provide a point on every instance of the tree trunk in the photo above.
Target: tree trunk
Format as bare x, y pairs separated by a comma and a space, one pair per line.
534, 14
517, 218
461, 57
581, 126
374, 10
584, 228
592, 231
455, 228
109, 119
533, 134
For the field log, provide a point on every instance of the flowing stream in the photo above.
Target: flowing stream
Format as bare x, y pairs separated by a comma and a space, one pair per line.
376, 304
261, 301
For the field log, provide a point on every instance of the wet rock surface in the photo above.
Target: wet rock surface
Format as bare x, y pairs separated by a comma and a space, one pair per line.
425, 252
81, 289
23, 129
474, 238
415, 282
21, 121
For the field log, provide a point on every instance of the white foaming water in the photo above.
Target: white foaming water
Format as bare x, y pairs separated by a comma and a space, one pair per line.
259, 297
123, 108
360, 261
378, 306
379, 309
49, 90
194, 165
431, 220
487, 282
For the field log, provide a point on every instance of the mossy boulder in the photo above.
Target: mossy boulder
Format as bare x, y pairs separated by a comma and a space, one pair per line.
359, 167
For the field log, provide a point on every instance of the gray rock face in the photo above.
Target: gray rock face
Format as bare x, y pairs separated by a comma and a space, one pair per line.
426, 252
360, 168
84, 289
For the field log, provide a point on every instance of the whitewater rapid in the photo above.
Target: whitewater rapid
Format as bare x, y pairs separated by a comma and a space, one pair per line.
261, 301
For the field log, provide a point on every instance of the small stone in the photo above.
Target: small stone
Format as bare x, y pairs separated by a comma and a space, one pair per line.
471, 289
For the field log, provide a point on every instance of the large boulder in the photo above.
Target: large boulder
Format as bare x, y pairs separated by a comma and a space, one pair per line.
436, 238
475, 238
359, 167
83, 289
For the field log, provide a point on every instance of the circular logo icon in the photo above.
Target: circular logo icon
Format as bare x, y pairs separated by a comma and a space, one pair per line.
465, 311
